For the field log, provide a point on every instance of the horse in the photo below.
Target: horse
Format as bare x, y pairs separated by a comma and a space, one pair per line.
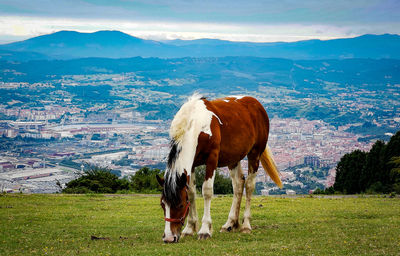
215, 133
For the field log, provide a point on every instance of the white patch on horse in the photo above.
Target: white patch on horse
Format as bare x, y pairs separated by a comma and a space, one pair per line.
192, 119
219, 120
237, 97
167, 230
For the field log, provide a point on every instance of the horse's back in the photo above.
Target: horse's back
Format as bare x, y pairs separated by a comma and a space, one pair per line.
243, 124
242, 114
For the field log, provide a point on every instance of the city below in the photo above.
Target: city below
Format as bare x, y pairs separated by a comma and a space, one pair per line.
56, 123
47, 155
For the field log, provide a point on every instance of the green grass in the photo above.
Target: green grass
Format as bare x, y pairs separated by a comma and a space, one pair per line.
63, 225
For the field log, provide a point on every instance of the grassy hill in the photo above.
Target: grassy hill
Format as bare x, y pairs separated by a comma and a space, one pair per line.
133, 225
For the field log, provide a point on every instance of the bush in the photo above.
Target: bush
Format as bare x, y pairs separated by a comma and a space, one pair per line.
144, 181
96, 180
375, 188
326, 191
396, 188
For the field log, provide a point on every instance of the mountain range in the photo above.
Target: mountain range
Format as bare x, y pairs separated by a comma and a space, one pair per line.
66, 45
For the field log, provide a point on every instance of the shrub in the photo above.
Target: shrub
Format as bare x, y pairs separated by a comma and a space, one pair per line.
96, 180
144, 181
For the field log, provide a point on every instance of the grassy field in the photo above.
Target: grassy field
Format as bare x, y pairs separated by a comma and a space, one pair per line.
133, 225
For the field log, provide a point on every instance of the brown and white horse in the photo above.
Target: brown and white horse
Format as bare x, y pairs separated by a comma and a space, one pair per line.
214, 133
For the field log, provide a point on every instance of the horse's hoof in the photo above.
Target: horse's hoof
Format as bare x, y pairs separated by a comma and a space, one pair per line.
189, 230
204, 236
245, 230
224, 230
187, 234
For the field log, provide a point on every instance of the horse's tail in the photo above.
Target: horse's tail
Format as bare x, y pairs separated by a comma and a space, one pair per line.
269, 166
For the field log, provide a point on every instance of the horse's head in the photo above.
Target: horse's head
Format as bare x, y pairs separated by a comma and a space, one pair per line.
175, 203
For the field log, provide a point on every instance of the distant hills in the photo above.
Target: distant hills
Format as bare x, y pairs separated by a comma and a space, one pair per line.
114, 44
339, 92
72, 45
219, 74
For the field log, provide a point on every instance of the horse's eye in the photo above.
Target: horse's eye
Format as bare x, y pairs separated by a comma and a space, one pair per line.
181, 206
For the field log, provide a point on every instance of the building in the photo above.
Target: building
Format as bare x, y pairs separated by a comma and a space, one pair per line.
313, 161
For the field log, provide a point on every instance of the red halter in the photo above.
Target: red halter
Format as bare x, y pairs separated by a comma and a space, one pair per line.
182, 219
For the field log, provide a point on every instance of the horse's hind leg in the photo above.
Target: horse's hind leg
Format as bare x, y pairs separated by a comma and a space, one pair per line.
238, 185
250, 184
191, 224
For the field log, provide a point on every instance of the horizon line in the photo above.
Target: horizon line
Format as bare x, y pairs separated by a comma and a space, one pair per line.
150, 38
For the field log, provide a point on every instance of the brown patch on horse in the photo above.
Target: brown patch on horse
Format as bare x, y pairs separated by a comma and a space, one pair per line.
239, 127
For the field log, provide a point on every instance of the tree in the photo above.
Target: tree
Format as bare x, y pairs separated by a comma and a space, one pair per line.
395, 173
348, 172
222, 185
380, 169
392, 151
372, 172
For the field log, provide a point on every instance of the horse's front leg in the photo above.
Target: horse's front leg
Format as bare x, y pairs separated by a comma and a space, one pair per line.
191, 224
208, 191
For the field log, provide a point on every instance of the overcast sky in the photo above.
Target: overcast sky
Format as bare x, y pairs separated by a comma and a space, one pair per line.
258, 21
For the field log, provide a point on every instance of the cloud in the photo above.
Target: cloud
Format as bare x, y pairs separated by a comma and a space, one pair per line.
29, 27
225, 11
259, 20
270, 12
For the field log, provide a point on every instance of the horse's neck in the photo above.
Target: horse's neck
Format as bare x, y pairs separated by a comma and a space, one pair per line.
187, 150
192, 119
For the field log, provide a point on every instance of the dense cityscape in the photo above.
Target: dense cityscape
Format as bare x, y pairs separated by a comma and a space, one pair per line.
63, 130
60, 117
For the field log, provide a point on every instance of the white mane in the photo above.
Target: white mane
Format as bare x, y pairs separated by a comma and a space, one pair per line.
192, 119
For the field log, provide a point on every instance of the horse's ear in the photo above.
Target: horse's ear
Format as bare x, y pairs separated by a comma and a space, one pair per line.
183, 180
160, 180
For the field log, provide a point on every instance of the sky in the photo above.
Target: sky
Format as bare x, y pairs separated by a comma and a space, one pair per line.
255, 21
